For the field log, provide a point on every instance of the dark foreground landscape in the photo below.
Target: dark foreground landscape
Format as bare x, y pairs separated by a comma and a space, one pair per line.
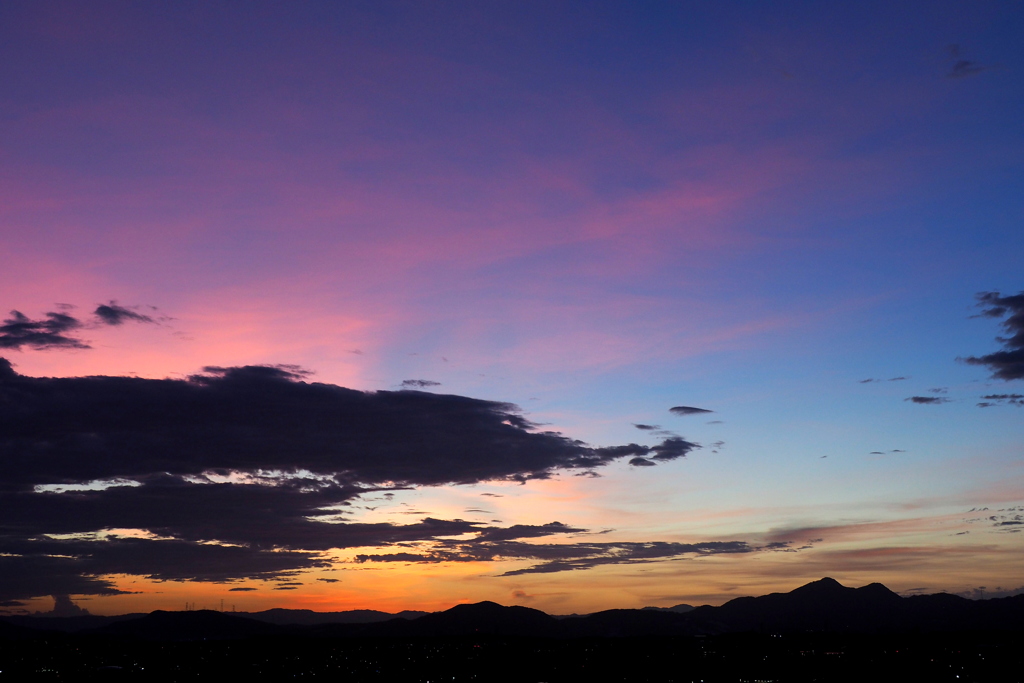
819, 632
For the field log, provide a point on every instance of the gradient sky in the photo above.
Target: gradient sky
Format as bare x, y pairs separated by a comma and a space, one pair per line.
594, 211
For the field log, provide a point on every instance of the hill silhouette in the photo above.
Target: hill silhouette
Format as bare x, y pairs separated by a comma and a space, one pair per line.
193, 625
307, 617
823, 605
482, 618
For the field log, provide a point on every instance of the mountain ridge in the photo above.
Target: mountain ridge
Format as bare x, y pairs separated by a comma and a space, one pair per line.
824, 606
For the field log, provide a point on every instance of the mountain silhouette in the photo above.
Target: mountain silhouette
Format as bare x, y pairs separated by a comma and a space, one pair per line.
681, 608
482, 618
823, 606
307, 617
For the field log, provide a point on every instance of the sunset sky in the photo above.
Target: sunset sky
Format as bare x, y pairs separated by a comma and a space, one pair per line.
518, 234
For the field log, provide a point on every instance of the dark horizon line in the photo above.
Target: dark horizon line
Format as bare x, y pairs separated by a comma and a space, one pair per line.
826, 580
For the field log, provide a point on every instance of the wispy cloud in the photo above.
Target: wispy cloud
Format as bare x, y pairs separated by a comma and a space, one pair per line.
962, 68
113, 314
990, 400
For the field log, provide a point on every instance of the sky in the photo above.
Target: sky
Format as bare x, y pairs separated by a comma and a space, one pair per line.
578, 306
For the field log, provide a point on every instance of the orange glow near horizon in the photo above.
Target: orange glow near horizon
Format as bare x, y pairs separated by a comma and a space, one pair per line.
907, 554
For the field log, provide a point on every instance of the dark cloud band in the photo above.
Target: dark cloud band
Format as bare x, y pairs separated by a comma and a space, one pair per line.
72, 430
20, 331
1009, 362
244, 473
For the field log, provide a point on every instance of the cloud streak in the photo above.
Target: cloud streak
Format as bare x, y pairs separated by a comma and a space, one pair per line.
682, 411
563, 557
990, 400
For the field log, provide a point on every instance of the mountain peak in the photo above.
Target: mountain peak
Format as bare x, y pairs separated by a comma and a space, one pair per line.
877, 590
485, 618
823, 585
476, 606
